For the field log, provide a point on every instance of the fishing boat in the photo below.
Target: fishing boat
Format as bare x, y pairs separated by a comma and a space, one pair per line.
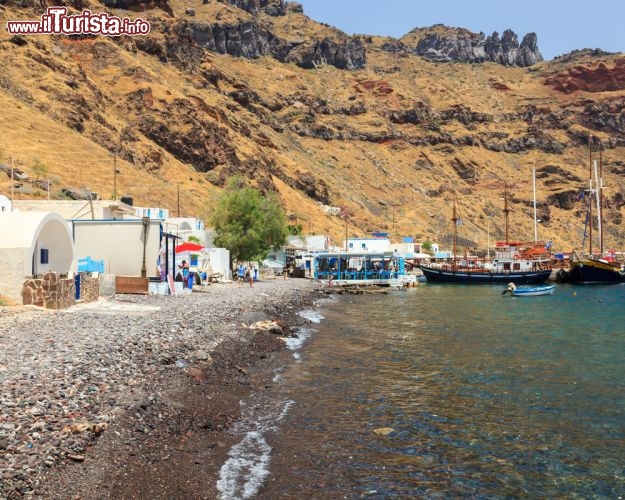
514, 261
362, 268
529, 292
600, 267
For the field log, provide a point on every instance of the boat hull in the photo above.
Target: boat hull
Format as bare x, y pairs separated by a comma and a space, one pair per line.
534, 292
591, 271
437, 275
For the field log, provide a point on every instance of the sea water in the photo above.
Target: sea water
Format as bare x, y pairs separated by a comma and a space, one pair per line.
449, 391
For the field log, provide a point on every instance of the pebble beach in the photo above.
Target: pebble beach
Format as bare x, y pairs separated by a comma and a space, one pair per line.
66, 376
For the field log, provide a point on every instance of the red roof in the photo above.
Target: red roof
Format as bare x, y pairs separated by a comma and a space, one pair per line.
189, 247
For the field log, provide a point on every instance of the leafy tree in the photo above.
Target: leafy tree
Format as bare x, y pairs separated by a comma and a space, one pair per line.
248, 223
427, 247
295, 229
193, 239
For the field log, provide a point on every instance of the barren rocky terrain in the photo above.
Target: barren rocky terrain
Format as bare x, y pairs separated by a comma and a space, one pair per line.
367, 132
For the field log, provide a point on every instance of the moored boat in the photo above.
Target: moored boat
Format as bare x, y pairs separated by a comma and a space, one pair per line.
448, 275
514, 261
592, 270
598, 267
529, 292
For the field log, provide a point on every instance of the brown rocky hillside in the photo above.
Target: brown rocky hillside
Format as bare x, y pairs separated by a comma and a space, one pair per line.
388, 131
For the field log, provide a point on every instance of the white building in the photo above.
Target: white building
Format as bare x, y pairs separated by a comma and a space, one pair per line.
152, 213
121, 244
32, 243
5, 204
78, 209
373, 244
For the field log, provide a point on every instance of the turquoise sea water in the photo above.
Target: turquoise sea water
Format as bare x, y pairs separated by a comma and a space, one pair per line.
451, 391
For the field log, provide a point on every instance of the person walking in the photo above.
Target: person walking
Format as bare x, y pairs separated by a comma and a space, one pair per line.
240, 274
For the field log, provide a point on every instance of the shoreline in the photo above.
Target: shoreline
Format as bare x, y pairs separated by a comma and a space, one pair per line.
134, 397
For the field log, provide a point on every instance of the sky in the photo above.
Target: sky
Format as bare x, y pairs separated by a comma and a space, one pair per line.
561, 25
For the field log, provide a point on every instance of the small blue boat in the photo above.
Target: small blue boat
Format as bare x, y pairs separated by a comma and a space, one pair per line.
529, 292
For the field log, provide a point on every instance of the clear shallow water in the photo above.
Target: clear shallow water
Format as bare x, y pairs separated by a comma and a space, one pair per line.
455, 391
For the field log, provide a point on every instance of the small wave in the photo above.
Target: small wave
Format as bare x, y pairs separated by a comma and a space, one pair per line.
311, 315
245, 471
243, 474
295, 343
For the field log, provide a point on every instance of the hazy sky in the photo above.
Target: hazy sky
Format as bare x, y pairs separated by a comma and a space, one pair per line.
561, 25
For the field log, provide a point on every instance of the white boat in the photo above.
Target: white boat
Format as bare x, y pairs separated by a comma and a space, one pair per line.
529, 292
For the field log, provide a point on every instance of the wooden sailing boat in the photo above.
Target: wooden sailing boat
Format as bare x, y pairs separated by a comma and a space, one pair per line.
599, 268
514, 262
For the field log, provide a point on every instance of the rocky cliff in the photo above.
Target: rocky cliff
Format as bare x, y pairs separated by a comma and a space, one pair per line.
443, 44
374, 127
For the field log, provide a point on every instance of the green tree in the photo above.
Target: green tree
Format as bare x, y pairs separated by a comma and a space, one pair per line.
295, 229
193, 239
427, 247
248, 223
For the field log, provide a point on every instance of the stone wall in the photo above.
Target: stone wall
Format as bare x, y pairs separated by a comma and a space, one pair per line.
49, 291
89, 288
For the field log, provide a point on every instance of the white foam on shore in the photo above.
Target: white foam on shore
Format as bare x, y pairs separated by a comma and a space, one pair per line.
303, 334
243, 474
245, 471
311, 315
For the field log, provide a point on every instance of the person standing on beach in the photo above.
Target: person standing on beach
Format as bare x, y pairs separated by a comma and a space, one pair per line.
241, 274
285, 271
248, 276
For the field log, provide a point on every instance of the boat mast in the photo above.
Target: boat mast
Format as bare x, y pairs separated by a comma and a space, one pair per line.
590, 194
488, 238
534, 186
506, 210
600, 198
455, 222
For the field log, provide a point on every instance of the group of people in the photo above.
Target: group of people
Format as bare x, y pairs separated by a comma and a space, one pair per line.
245, 274
287, 271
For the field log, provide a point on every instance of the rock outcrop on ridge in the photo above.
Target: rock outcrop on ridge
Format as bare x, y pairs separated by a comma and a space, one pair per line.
447, 44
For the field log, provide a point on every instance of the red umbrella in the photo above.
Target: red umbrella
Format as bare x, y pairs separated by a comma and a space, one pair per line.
189, 247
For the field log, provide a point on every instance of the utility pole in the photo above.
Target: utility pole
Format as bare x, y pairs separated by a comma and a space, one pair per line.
145, 221
178, 186
115, 176
346, 233
394, 227
12, 183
